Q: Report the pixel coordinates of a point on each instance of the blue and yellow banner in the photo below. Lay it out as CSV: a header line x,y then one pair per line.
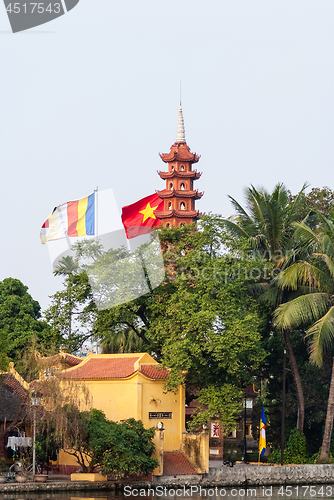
x,y
262,442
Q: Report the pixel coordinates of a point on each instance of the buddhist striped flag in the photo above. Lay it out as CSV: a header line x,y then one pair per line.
x,y
262,441
74,218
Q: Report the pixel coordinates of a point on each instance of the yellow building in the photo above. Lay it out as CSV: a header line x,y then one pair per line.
x,y
130,386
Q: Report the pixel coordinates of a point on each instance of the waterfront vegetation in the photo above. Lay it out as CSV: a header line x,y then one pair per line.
x,y
236,293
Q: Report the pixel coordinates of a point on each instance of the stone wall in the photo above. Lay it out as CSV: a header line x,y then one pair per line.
x,y
196,448
245,475
271,475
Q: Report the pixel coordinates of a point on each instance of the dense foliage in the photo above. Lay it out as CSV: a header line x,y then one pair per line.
x,y
210,321
20,322
200,322
116,448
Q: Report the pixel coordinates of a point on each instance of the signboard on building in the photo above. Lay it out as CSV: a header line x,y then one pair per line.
x,y
214,429
160,414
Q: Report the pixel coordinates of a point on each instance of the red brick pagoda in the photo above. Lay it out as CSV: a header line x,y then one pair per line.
x,y
179,196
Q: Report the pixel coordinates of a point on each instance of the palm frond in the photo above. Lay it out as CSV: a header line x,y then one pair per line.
x,y
303,310
328,244
329,263
305,234
298,200
239,209
272,296
257,290
300,273
258,241
321,335
254,199
234,229
326,223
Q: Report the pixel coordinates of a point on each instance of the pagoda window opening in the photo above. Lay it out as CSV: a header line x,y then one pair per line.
x,y
182,168
182,186
182,206
182,224
167,225
171,186
169,206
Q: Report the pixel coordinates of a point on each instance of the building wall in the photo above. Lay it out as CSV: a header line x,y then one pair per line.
x,y
116,398
136,397
196,448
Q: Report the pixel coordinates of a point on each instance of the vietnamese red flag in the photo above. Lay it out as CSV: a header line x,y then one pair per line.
x,y
139,218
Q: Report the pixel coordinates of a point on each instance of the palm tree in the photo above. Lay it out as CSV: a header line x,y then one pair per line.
x,y
124,340
67,266
268,226
314,279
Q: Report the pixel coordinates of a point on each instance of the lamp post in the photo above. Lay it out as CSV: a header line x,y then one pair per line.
x,y
245,457
35,401
160,428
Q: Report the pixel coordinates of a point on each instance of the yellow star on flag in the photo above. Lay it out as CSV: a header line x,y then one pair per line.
x,y
148,212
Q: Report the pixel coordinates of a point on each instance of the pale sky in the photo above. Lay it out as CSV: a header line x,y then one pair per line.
x,y
91,98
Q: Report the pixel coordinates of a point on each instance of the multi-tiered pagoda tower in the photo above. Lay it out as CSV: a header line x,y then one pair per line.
x,y
179,196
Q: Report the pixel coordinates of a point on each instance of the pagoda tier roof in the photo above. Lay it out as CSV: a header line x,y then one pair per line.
x,y
183,214
193,174
179,194
180,151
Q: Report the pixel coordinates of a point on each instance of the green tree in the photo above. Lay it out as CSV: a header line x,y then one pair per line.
x,y
200,322
118,448
315,382
268,224
318,199
125,340
71,313
4,360
130,449
19,321
314,307
268,228
68,267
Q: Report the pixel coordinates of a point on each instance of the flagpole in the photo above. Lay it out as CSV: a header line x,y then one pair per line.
x,y
259,461
96,191
259,444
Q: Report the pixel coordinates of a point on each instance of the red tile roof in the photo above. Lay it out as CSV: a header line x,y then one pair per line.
x,y
176,464
72,360
179,151
96,368
154,371
12,399
14,385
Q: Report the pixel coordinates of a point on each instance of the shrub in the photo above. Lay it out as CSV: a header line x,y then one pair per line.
x,y
294,452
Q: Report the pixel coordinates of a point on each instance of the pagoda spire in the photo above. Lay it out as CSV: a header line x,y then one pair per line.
x,y
181,135
179,195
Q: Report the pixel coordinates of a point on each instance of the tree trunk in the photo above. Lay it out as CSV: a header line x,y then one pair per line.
x,y
326,440
296,376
